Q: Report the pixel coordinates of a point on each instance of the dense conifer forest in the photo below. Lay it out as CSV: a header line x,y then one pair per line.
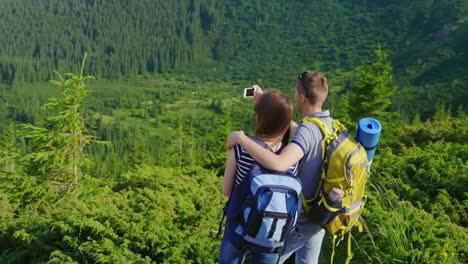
x,y
121,161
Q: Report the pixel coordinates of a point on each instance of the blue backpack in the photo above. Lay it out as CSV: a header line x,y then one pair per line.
x,y
263,209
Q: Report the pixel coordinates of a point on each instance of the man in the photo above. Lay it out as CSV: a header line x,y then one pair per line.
x,y
310,94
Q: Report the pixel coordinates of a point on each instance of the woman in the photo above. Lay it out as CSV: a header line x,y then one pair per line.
x,y
273,115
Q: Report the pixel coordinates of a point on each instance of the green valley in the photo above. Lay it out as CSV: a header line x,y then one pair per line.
x,y
128,168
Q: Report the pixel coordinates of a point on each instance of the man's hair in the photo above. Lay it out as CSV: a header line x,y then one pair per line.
x,y
314,85
274,112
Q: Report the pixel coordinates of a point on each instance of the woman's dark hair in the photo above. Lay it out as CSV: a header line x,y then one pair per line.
x,y
274,112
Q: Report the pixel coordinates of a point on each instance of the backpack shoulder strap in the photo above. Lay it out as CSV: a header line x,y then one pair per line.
x,y
257,168
328,137
328,134
326,131
337,126
261,143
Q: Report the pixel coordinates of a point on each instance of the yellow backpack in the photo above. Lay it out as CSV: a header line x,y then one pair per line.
x,y
339,199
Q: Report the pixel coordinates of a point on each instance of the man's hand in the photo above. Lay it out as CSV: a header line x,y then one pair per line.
x,y
235,138
258,93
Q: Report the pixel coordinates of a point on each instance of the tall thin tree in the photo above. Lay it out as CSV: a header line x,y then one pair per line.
x,y
58,148
372,90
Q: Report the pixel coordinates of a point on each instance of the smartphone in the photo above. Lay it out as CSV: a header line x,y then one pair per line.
x,y
249,92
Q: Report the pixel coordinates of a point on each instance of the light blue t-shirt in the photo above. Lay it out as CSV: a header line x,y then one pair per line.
x,y
309,138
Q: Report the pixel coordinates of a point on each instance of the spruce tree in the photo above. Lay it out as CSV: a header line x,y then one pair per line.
x,y
372,90
58,148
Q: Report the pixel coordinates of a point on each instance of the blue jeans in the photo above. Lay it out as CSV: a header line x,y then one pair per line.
x,y
306,241
229,254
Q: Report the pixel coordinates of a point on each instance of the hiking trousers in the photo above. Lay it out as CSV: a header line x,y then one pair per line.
x,y
306,241
230,254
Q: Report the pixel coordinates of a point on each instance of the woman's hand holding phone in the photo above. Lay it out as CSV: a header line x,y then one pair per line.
x,y
258,93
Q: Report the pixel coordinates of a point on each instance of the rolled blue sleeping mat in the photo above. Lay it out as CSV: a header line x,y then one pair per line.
x,y
367,133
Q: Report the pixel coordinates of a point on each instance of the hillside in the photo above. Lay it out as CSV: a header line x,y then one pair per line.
x,y
127,167
123,38
265,41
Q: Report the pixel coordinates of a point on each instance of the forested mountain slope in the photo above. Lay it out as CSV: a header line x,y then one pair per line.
x,y
123,38
268,41
169,78
153,193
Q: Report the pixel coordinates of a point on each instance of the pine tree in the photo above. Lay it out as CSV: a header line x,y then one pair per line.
x,y
372,90
58,147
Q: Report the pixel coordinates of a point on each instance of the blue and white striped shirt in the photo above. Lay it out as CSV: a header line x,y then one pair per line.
x,y
245,161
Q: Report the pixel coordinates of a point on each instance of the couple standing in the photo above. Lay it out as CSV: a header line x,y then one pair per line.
x,y
273,124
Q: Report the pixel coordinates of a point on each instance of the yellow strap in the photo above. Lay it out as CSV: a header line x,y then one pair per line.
x,y
344,229
319,188
359,224
335,128
323,150
350,255
326,131
333,250
329,208
305,204
337,179
328,137
338,127
341,239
